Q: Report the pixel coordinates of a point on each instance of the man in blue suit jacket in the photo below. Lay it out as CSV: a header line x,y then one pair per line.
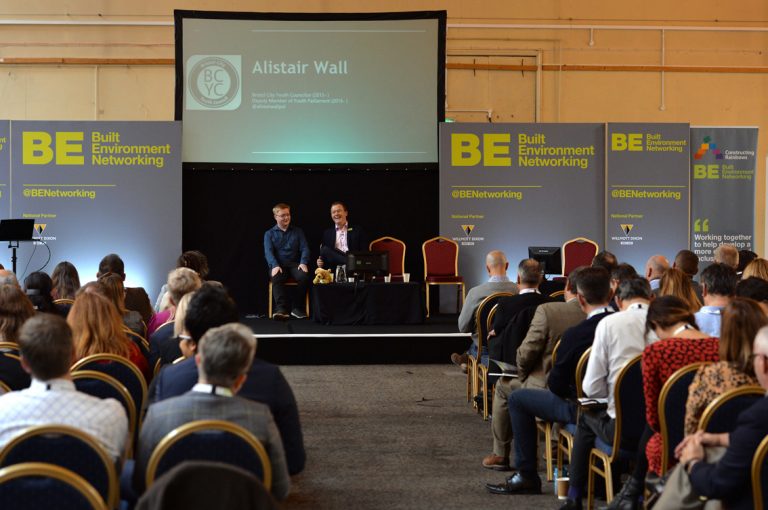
x,y
340,239
210,307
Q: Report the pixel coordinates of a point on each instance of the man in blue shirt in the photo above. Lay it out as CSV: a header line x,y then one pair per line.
x,y
287,254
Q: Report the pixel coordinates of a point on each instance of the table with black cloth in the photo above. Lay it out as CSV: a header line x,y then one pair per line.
x,y
368,303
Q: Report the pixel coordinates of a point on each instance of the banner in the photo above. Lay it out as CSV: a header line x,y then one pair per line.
x,y
510,186
647,207
723,163
95,188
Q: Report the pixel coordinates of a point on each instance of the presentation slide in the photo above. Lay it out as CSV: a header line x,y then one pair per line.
x,y
315,90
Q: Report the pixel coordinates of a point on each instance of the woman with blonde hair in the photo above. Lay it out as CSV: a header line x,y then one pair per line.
x,y
757,268
674,282
742,319
97,328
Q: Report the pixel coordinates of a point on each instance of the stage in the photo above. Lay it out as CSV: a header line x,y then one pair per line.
x,y
305,342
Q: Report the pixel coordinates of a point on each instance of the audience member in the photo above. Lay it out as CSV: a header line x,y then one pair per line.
x,y
136,298
680,344
620,273
618,338
112,288
496,265
688,262
287,254
224,356
192,259
676,283
512,319
718,286
340,239
606,260
180,281
8,278
38,287
754,288
745,257
758,268
717,466
15,309
593,294
727,254
742,319
654,269
47,352
549,323
210,306
65,282
97,328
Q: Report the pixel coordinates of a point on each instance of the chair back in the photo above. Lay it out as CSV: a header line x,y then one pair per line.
x,y
672,399
122,370
581,370
10,347
482,318
12,374
214,440
40,486
4,388
722,413
396,250
139,340
630,406
441,257
577,252
69,448
102,385
202,485
760,476
491,315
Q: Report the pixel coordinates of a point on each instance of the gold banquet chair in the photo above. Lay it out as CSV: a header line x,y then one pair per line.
x,y
212,440
42,484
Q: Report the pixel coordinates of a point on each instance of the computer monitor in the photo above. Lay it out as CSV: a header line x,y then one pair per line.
x,y
17,230
548,257
368,263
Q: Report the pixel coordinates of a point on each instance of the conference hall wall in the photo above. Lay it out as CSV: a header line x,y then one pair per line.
x,y
547,61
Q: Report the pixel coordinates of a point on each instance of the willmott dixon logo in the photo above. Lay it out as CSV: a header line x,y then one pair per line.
x,y
40,227
707,146
467,229
626,228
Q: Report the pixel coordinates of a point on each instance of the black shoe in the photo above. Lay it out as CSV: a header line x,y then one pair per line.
x,y
628,498
280,316
571,504
298,313
516,484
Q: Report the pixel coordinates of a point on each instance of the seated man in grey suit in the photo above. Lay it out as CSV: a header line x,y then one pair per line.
x,y
224,356
496,264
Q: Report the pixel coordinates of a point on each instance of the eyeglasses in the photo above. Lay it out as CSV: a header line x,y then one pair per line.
x,y
184,337
756,355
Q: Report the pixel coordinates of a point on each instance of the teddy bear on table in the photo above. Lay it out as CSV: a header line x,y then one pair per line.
x,y
322,276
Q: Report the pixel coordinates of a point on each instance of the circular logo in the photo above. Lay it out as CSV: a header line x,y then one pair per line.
x,y
213,82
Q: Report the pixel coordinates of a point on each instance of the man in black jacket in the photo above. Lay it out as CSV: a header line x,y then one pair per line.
x,y
340,239
594,294
510,325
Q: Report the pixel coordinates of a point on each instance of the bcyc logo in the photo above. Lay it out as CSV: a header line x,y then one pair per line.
x,y
213,82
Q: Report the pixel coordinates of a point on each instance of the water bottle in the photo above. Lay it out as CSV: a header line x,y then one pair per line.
x,y
341,274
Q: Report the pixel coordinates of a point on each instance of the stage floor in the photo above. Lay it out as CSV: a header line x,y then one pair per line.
x,y
305,342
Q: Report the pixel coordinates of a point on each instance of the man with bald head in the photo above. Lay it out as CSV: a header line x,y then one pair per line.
x,y
496,264
654,269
